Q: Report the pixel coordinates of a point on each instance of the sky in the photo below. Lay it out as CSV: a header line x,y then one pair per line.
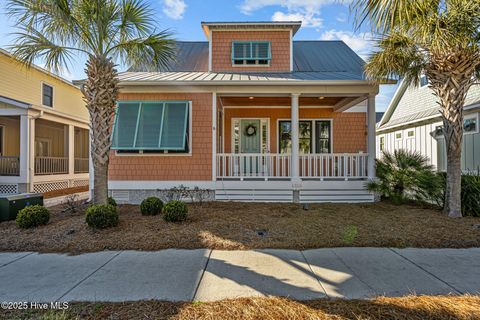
x,y
322,20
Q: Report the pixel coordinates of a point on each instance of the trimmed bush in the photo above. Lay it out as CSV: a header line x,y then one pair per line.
x,y
32,216
111,201
101,216
175,211
151,206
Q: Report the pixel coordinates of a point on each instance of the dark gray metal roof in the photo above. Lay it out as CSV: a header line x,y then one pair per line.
x,y
319,57
14,102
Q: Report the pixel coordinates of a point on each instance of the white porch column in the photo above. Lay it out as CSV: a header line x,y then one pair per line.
x,y
71,149
25,149
295,143
371,126
214,136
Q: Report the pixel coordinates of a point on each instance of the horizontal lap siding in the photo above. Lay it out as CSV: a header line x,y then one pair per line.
x,y
349,128
197,166
222,49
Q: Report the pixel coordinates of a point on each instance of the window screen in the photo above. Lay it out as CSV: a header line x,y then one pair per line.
x,y
151,126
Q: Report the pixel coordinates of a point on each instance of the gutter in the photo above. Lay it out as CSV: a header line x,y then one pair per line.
x,y
247,83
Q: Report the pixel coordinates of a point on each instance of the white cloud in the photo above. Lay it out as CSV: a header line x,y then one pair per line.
x,y
174,8
307,11
361,43
308,19
342,17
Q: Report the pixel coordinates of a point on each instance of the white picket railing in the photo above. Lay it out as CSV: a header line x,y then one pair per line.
x,y
334,165
51,165
9,166
81,165
273,165
266,165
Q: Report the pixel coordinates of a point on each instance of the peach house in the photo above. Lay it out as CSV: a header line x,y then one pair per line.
x,y
250,115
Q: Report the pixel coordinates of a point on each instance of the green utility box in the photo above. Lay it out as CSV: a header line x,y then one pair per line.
x,y
11,204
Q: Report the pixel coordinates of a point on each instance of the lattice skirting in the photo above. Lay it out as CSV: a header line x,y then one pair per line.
x,y
8,188
42,187
80,183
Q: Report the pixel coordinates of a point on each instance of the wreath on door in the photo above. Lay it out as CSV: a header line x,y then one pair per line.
x,y
250,130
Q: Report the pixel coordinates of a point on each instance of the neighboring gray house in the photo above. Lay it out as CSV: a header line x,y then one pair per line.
x,y
412,122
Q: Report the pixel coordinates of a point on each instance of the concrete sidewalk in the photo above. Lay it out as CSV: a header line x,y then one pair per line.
x,y
206,275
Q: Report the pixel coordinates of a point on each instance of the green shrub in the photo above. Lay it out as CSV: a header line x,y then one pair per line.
x,y
175,211
404,176
101,216
470,195
151,206
32,216
111,201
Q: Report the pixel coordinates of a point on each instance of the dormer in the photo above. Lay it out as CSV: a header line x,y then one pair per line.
x,y
250,46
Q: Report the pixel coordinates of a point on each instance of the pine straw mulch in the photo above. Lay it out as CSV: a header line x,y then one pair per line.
x,y
64,192
410,307
236,226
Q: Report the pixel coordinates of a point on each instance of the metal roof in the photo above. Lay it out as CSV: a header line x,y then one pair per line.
x,y
327,60
16,103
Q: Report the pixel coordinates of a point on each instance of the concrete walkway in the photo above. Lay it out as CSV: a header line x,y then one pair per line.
x,y
206,275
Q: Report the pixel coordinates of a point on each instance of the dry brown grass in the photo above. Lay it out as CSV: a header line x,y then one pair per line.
x,y
411,308
231,226
63,192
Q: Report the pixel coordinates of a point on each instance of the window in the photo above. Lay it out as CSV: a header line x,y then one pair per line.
x,y
47,95
423,81
398,135
410,134
251,53
313,135
382,143
1,140
151,127
470,124
43,147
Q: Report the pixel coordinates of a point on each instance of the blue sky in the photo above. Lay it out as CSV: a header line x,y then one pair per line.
x,y
322,20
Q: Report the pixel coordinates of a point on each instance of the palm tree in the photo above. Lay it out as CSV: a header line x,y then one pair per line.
x,y
104,32
438,38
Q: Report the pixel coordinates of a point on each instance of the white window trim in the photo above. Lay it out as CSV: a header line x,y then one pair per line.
x,y
471,116
314,136
410,137
41,94
166,154
380,138
395,135
232,127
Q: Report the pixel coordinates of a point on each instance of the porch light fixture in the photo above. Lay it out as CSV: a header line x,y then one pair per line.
x,y
251,98
320,98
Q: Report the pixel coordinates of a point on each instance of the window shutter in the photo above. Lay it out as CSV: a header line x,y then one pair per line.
x,y
126,119
241,50
174,126
149,125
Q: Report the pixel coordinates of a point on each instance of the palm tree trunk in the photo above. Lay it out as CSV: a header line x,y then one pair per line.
x,y
100,94
451,76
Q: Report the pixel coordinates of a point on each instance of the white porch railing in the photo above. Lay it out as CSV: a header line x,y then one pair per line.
x,y
9,166
81,165
273,165
267,165
334,165
51,165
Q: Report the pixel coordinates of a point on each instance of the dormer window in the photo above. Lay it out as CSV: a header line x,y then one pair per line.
x,y
423,81
248,53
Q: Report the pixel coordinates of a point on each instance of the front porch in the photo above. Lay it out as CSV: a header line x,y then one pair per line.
x,y
40,152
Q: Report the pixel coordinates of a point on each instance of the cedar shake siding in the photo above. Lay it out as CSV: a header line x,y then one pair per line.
x,y
222,50
348,128
196,166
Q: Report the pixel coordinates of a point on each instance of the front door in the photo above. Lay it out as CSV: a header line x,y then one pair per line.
x,y
250,139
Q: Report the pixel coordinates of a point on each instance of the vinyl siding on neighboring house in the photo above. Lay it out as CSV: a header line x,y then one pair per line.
x,y
25,84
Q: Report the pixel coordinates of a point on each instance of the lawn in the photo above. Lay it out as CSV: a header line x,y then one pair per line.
x,y
411,308
232,226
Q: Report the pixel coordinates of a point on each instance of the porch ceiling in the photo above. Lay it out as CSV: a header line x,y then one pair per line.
x,y
339,104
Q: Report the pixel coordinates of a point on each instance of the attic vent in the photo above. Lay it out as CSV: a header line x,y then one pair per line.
x,y
120,195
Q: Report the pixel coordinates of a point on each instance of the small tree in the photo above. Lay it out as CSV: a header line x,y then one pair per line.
x,y
103,32
438,38
403,176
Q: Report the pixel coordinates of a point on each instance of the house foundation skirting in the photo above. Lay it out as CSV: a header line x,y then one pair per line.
x,y
247,191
